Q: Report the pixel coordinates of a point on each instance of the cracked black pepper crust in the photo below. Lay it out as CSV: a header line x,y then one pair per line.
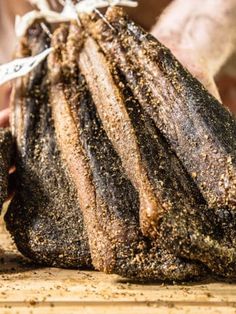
x,y
197,128
112,216
165,104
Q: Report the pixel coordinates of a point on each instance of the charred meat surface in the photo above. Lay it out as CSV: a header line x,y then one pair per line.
x,y
6,154
44,217
199,129
112,213
187,117
153,168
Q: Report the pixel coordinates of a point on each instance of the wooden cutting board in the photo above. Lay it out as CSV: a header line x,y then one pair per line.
x,y
25,288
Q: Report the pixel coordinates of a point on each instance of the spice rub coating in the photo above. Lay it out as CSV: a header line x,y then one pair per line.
x,y
112,213
198,128
181,109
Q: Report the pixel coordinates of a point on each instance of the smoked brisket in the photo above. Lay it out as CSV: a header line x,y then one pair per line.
x,y
121,154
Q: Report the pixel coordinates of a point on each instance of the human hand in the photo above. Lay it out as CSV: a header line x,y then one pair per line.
x,y
8,10
202,36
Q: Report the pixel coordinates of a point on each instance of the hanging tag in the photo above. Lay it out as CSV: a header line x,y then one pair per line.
x,y
70,12
21,67
87,6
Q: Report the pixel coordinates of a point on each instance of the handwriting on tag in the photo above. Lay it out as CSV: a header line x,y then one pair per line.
x,y
21,67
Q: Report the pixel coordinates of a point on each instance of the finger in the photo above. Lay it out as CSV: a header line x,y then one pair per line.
x,y
4,117
227,88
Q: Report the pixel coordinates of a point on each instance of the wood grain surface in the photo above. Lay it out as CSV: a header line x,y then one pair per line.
x,y
27,288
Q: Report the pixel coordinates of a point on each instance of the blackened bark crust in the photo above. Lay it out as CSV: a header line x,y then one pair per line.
x,y
44,217
196,126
